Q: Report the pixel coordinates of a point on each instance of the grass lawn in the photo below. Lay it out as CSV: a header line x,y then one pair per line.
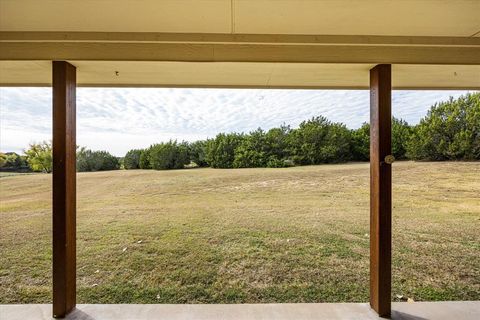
x,y
11,174
245,235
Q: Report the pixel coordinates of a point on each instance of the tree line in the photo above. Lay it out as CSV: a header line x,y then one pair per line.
x,y
38,158
449,131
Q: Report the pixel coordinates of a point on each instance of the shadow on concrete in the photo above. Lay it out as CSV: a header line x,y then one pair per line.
x,y
397,315
78,314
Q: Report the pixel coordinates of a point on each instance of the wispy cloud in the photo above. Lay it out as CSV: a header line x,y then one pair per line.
x,y
120,119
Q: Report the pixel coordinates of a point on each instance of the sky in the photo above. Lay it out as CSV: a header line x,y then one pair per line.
x,y
120,119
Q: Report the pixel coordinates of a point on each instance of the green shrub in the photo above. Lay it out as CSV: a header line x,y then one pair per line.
x,y
169,155
320,141
14,162
274,162
278,142
360,143
401,132
132,159
39,156
197,153
144,160
450,131
360,140
88,160
252,151
221,150
263,149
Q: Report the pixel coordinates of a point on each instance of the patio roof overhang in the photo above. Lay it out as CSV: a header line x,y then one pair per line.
x,y
232,43
236,43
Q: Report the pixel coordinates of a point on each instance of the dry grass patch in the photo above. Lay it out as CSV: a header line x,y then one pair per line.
x,y
245,235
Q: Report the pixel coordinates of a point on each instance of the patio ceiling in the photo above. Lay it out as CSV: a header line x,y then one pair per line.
x,y
242,43
240,75
449,18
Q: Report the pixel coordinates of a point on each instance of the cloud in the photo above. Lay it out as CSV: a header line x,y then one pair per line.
x,y
121,119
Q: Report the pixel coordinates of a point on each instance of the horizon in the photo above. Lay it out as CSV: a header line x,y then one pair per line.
x,y
121,119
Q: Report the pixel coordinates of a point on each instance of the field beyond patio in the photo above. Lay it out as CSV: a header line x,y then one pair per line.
x,y
245,235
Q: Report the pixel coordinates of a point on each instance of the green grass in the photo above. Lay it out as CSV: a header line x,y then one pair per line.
x,y
245,235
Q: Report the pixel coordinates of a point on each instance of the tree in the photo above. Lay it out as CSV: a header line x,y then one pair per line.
x,y
401,132
169,155
450,131
320,141
144,160
221,150
197,151
279,148
88,160
11,161
3,159
252,151
39,156
132,159
360,143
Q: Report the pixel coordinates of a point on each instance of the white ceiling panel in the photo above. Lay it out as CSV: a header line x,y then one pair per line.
x,y
206,16
358,17
331,17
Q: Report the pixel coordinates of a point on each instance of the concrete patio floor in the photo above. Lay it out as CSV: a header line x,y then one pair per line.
x,y
458,310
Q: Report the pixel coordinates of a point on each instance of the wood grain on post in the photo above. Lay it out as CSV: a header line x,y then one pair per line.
x,y
380,189
64,188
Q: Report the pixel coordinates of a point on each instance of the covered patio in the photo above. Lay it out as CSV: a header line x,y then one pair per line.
x,y
468,310
376,45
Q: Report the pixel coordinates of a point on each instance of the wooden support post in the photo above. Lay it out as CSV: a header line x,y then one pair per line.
x,y
380,189
64,188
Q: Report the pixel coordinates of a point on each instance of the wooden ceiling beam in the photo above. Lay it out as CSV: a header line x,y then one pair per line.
x,y
53,36
238,48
